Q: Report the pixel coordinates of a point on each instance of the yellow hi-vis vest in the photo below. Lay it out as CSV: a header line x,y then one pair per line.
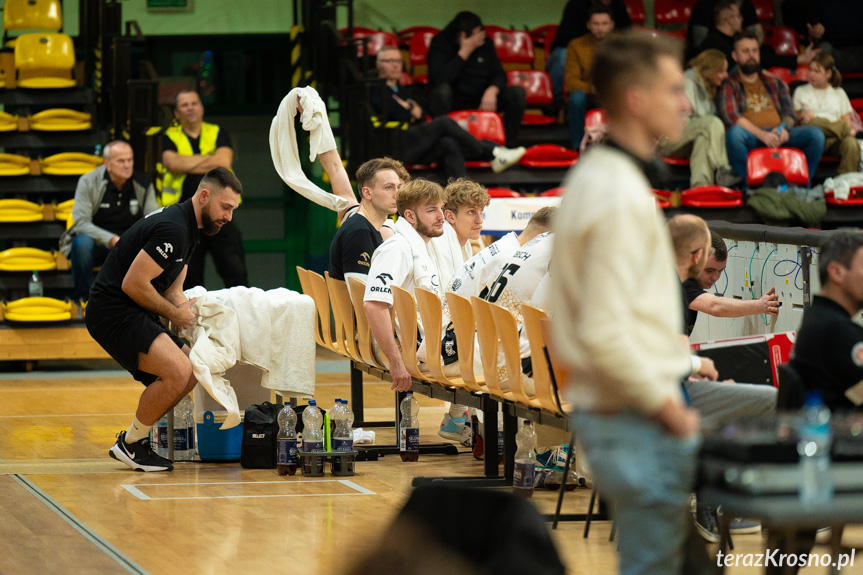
x,y
172,183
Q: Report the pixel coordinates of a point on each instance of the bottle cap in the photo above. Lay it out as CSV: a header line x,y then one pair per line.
x,y
814,398
312,402
287,403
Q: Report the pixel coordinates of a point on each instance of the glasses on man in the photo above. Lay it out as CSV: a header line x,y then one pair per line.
x,y
393,61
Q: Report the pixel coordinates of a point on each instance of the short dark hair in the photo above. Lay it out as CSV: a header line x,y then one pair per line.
x,y
368,171
218,179
628,59
840,248
721,7
745,35
717,247
181,92
600,9
465,21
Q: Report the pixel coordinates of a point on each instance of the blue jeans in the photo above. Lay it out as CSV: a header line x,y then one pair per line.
x,y
579,104
646,475
808,139
556,66
86,254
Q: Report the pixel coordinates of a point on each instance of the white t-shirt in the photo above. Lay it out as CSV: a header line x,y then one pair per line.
x,y
830,103
391,264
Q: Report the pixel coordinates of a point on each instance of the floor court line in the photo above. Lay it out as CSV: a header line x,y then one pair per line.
x,y
134,489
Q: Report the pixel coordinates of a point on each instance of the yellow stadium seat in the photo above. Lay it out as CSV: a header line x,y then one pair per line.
x,y
20,211
14,165
44,60
26,260
8,122
69,164
60,120
63,212
35,309
32,15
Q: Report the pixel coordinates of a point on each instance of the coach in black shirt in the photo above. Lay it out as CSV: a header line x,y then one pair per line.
x,y
828,354
141,281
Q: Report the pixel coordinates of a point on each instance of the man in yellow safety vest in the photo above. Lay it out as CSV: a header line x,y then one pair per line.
x,y
190,149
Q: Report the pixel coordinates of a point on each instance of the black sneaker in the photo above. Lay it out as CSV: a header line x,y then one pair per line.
x,y
139,455
705,522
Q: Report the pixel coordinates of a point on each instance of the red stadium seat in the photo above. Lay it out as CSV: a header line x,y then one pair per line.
x,y
857,104
711,197
502,193
481,124
782,39
548,156
595,117
676,161
855,198
662,198
543,35
635,8
672,11
553,193
764,10
491,29
376,39
419,47
420,167
406,79
651,31
359,31
406,35
784,74
536,84
788,161
514,47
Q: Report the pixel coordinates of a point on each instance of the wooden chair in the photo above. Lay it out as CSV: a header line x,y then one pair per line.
x,y
406,312
322,304
507,332
461,313
306,286
364,334
559,375
541,376
432,316
486,334
343,311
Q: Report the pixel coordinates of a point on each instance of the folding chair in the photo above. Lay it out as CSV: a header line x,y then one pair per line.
x,y
318,286
364,335
507,331
305,285
545,396
343,311
45,61
17,211
461,313
789,161
711,197
27,260
406,314
432,319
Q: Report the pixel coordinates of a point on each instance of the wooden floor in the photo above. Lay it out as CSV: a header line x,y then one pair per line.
x,y
66,507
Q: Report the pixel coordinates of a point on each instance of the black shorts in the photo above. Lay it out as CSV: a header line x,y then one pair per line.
x,y
124,332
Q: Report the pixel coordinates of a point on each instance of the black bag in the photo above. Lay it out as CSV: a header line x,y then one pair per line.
x,y
260,433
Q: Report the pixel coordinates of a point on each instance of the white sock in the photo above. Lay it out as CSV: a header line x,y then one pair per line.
x,y
137,431
456,411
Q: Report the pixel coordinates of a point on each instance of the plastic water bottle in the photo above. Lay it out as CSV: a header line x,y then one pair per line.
x,y
159,442
500,441
343,438
286,462
183,446
525,461
409,428
815,437
313,433
34,286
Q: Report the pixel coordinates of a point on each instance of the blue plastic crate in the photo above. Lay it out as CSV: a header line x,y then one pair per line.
x,y
216,444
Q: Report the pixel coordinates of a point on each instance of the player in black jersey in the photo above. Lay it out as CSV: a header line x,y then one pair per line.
x,y
141,282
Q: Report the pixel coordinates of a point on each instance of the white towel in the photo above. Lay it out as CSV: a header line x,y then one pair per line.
x,y
841,185
426,273
283,144
448,253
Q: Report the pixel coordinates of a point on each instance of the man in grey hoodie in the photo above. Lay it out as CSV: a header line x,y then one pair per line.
x,y
108,201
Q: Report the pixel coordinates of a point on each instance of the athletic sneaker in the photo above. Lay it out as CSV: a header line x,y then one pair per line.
x,y
705,523
553,458
505,158
139,455
455,429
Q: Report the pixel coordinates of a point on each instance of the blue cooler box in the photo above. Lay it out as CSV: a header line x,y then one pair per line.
x,y
215,444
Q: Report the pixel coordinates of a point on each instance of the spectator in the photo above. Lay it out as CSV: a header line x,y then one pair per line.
x,y
828,353
697,299
617,328
579,69
729,25
108,201
757,111
190,149
403,260
702,20
703,140
466,74
837,27
824,104
573,25
360,233
438,140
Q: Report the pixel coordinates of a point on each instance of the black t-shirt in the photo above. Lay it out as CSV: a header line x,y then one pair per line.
x,y
190,184
119,208
352,247
691,290
168,235
828,353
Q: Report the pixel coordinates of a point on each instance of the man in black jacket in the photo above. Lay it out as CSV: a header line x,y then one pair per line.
x,y
466,74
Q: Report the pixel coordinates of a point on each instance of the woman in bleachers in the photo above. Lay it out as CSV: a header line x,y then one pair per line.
x,y
824,104
703,140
